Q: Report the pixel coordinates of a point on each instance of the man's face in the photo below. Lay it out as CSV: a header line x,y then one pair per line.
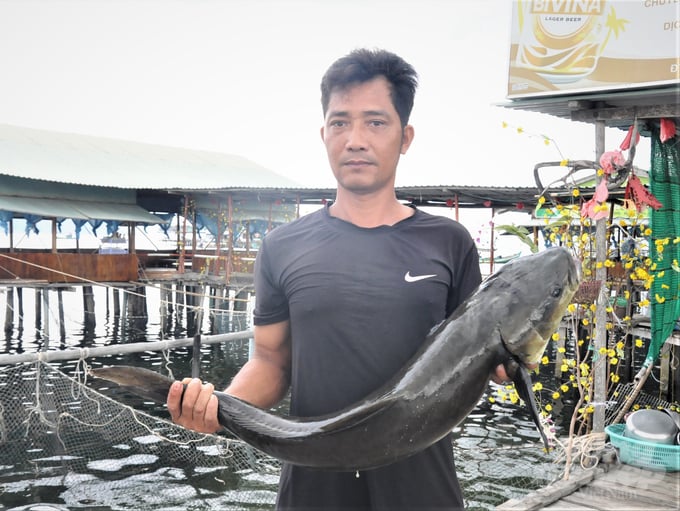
x,y
363,136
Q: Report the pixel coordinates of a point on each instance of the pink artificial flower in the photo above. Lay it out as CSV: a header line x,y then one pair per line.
x,y
596,208
611,158
625,145
667,129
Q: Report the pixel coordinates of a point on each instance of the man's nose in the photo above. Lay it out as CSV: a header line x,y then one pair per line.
x,y
356,138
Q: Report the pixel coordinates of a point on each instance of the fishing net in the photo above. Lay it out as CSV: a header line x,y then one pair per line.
x,y
664,182
64,442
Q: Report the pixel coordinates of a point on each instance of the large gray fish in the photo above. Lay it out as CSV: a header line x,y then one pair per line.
x,y
507,320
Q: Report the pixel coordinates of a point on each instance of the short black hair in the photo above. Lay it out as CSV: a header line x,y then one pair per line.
x,y
363,65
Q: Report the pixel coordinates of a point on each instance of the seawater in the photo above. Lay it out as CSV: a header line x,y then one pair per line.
x,y
498,451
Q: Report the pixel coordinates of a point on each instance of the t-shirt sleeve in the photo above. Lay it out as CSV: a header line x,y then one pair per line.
x,y
271,305
467,277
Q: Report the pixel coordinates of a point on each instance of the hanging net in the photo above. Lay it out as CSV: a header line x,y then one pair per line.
x,y
665,242
64,442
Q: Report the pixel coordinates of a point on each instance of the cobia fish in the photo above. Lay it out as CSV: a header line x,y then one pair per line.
x,y
507,320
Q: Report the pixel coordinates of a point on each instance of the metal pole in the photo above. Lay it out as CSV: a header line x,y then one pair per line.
x,y
600,364
118,349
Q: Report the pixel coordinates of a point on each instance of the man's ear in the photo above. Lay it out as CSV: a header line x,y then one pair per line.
x,y
407,135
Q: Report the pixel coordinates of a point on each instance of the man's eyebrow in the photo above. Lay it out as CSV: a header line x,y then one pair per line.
x,y
338,113
365,113
378,113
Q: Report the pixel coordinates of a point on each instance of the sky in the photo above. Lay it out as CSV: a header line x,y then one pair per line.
x,y
242,77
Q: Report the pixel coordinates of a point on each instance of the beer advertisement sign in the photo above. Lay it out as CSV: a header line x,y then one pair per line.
x,y
568,46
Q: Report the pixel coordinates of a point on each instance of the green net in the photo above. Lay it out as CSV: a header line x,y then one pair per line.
x,y
665,242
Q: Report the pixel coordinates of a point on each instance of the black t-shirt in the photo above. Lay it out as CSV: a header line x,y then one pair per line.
x,y
360,302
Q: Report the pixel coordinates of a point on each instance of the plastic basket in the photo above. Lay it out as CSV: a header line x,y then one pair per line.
x,y
644,454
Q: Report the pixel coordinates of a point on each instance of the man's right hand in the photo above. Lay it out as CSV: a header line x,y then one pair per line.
x,y
197,410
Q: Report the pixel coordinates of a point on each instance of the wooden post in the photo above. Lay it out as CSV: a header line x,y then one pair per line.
x,y
9,311
600,362
179,301
230,240
115,296
62,327
132,237
20,307
46,317
183,241
54,235
38,313
88,309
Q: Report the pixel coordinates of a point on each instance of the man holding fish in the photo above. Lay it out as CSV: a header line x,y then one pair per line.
x,y
345,296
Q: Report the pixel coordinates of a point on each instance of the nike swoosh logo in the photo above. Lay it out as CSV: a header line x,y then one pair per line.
x,y
415,278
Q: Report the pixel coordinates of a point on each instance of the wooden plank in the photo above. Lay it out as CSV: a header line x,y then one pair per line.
x,y
666,484
615,502
563,505
621,488
612,489
544,496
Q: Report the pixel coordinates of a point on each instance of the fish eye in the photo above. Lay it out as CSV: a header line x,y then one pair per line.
x,y
556,292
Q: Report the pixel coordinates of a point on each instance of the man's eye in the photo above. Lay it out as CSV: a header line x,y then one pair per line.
x,y
377,123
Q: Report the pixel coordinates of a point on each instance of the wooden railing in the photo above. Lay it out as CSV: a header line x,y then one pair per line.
x,y
65,267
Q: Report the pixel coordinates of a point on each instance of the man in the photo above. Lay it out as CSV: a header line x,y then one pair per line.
x,y
345,295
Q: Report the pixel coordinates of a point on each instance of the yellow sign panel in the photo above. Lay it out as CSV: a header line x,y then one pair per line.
x,y
567,46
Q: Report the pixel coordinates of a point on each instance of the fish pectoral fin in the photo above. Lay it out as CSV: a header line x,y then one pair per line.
x,y
524,388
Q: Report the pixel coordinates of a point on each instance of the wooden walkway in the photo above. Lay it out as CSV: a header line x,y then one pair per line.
x,y
621,488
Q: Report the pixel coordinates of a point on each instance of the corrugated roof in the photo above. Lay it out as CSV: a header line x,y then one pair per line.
x,y
23,196
58,208
88,160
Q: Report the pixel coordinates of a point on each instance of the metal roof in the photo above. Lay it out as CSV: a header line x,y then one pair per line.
x,y
88,160
63,200
519,198
616,108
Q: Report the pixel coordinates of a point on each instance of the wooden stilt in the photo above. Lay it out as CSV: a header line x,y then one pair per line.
x,y
116,302
9,311
20,307
62,326
38,313
88,306
46,316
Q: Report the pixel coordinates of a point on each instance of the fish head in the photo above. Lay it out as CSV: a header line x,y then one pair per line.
x,y
530,297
